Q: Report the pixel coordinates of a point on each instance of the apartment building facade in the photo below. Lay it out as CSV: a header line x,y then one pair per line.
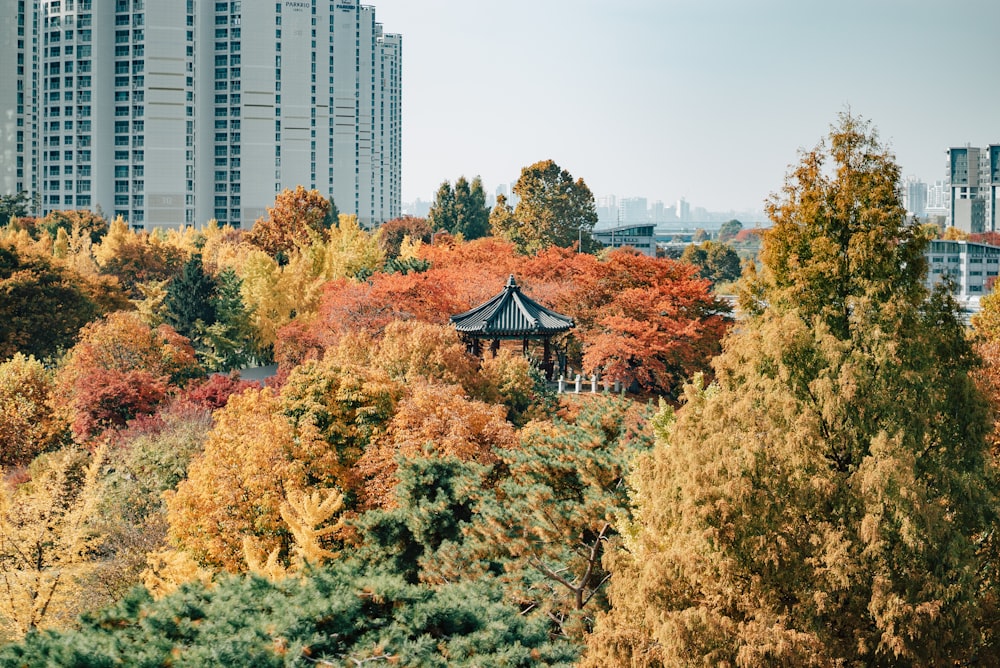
x,y
174,113
973,179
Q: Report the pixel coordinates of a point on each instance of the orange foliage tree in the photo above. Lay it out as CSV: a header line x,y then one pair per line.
x,y
296,216
639,319
434,420
120,369
236,486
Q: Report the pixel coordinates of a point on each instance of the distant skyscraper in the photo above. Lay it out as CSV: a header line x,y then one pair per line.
x,y
171,113
683,210
915,197
634,210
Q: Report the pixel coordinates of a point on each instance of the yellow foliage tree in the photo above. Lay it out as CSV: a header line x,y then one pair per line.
x,y
236,487
27,426
47,540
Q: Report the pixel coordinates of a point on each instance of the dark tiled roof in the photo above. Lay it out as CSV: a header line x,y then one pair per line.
x,y
511,314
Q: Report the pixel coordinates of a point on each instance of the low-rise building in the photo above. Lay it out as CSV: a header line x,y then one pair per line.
x,y
973,267
639,237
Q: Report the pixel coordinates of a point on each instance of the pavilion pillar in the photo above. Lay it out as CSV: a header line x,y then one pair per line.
x,y
495,347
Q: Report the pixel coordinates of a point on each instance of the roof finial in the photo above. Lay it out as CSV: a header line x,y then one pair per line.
x,y
511,283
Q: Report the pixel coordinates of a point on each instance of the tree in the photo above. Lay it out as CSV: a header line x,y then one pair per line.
x,y
717,262
442,212
296,216
47,539
462,210
42,305
552,210
235,487
555,510
190,300
825,502
392,233
27,426
332,215
434,420
342,615
75,222
118,370
729,230
13,206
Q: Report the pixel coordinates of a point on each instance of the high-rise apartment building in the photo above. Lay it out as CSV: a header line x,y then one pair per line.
x,y
172,113
973,177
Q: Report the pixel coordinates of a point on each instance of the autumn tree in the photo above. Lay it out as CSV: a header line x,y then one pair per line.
x,y
392,233
75,222
235,487
120,369
297,215
42,305
552,210
47,540
137,257
27,425
433,420
825,501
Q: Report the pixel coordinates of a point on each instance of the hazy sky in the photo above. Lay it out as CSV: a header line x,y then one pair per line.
x,y
709,100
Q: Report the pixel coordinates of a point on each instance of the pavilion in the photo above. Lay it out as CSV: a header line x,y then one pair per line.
x,y
511,315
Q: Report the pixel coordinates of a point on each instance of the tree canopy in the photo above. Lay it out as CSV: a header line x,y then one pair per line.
x,y
827,500
552,210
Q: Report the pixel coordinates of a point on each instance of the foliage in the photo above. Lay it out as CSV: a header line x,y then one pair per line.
x,y
552,210
955,234
555,510
142,463
75,223
42,306
340,615
235,487
351,252
120,369
462,210
27,426
826,501
338,409
296,218
392,233
14,206
47,540
190,299
645,320
433,420
729,230
136,258
716,261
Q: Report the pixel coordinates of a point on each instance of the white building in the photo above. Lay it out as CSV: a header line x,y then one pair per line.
x,y
973,267
168,113
640,237
973,177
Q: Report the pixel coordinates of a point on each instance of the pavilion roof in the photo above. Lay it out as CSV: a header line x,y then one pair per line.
x,y
511,314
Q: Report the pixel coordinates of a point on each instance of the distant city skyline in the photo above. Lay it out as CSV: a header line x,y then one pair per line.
x,y
709,100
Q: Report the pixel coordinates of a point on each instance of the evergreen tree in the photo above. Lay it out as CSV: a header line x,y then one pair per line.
x,y
442,213
191,299
827,501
